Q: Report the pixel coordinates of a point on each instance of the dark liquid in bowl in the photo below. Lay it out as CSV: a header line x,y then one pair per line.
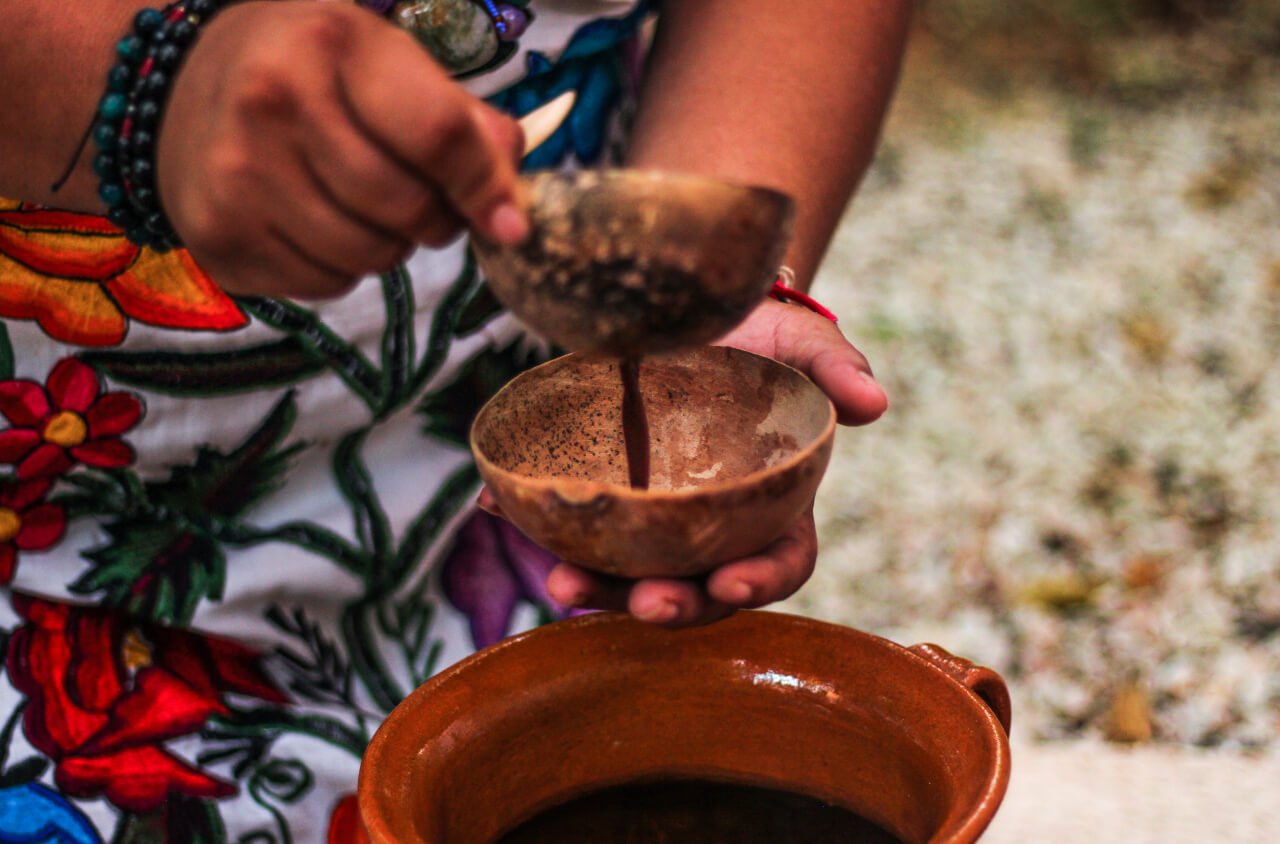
x,y
696,813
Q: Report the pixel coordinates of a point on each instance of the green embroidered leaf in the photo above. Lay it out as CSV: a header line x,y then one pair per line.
x,y
410,627
478,308
447,412
97,494
28,770
209,373
425,527
199,820
318,339
242,750
187,819
104,485
225,485
319,672
284,780
154,569
443,324
372,528
358,619
6,733
140,829
6,354
397,338
366,661
164,556
272,721
306,535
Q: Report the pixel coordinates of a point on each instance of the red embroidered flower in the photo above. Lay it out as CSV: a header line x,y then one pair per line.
x,y
64,421
105,695
79,278
27,522
345,826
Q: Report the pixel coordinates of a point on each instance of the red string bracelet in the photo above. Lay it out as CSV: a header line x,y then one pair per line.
x,y
784,293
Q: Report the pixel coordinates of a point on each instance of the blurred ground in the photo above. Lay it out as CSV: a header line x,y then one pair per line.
x,y
1065,267
1088,792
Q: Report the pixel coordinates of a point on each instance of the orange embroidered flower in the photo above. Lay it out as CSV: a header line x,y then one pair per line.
x,y
81,281
68,419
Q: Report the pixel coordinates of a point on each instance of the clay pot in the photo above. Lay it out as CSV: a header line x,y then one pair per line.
x,y
739,444
911,740
630,261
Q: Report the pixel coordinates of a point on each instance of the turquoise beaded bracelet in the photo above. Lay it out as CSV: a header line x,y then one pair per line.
x,y
129,113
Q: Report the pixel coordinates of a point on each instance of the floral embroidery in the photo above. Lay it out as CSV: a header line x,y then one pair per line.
x,y
68,419
344,824
27,522
81,281
492,568
105,695
32,812
133,730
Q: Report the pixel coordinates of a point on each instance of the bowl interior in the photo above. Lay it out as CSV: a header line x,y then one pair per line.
x,y
716,416
762,699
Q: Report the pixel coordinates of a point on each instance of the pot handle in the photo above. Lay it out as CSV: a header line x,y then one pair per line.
x,y
982,681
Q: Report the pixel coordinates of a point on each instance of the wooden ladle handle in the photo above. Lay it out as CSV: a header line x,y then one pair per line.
x,y
543,121
982,681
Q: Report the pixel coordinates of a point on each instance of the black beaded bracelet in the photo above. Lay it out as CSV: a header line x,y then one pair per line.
x,y
129,113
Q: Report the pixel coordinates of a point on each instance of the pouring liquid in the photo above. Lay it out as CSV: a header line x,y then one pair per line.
x,y
635,424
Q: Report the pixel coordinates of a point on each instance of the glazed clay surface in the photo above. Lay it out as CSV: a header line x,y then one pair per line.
x,y
763,700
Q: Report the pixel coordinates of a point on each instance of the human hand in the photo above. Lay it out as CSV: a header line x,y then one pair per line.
x,y
307,144
815,346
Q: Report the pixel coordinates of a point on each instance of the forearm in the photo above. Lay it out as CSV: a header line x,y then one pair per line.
x,y
792,98
54,58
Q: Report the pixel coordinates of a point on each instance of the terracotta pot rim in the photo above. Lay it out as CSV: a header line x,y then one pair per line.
x,y
975,821
591,489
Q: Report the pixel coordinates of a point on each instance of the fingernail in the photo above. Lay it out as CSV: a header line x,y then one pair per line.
x,y
871,381
854,372
659,612
739,592
857,375
577,599
508,224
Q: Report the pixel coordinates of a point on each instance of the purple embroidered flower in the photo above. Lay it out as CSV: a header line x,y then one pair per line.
x,y
491,569
379,6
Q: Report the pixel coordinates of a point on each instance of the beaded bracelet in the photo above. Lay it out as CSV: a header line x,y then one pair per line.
x,y
129,113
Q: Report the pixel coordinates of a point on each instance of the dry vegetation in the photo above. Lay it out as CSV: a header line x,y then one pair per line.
x,y
1065,265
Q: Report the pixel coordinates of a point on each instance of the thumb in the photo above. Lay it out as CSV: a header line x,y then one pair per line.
x,y
815,346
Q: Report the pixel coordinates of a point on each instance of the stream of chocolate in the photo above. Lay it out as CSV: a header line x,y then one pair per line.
x,y
635,424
